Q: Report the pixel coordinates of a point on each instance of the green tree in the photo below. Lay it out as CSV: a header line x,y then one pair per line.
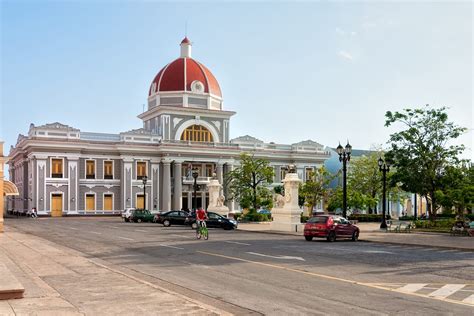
x,y
421,150
246,182
457,188
355,200
316,187
365,177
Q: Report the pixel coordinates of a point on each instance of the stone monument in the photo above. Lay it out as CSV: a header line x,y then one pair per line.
x,y
216,200
287,214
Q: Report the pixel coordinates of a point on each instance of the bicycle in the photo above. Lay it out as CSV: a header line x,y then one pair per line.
x,y
202,231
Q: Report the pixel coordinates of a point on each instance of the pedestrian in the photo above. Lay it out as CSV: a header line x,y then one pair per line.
x,y
33,212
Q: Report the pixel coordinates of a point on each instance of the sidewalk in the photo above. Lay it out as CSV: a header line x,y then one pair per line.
x,y
61,281
370,232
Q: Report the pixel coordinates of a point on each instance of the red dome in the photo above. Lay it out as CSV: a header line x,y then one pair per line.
x,y
181,73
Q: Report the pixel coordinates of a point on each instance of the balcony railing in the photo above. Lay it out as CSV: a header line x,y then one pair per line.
x,y
199,180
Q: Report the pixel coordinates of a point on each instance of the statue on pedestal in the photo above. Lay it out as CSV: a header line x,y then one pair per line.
x,y
216,200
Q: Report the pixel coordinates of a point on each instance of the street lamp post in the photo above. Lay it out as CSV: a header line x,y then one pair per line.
x,y
144,180
384,167
195,187
344,156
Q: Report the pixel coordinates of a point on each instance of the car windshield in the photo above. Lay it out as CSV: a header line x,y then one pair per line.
x,y
318,219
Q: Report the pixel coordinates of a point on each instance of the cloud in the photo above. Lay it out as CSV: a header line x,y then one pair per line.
x,y
343,32
345,55
368,25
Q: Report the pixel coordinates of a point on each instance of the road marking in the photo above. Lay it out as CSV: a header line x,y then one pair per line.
x,y
96,233
469,299
168,246
115,227
446,290
276,257
141,230
73,228
371,285
125,238
411,288
236,242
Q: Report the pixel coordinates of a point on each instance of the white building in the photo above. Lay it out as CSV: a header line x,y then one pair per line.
x,y
62,170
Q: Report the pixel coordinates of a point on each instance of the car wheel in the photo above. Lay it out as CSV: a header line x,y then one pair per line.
x,y
166,223
355,236
139,220
194,226
331,237
308,238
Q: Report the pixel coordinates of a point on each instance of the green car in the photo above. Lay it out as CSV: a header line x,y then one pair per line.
x,y
139,216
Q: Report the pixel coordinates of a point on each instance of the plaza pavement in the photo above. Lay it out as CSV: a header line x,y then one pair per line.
x,y
62,281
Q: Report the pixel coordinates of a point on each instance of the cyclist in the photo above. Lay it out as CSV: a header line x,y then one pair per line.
x,y
201,217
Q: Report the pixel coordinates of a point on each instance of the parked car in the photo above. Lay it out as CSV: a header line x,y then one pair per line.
x,y
330,227
214,220
126,214
171,218
139,215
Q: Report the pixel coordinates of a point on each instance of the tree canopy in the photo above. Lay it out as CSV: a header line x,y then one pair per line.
x,y
316,187
246,182
422,150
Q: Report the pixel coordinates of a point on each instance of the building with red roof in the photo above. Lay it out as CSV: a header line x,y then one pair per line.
x,y
62,170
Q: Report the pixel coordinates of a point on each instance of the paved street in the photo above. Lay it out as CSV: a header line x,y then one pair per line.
x,y
245,272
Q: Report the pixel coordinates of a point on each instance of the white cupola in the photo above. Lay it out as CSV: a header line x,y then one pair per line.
x,y
185,48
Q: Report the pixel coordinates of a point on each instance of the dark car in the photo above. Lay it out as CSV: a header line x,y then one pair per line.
x,y
214,220
140,215
171,218
330,227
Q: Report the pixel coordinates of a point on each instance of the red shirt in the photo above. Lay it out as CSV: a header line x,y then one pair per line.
x,y
201,215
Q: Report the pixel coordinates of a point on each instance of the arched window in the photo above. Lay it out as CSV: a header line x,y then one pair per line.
x,y
197,133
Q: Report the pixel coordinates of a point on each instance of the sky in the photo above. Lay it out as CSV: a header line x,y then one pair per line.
x,y
326,71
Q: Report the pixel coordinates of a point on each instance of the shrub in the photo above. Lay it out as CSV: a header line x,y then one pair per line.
x,y
304,218
367,217
253,216
441,223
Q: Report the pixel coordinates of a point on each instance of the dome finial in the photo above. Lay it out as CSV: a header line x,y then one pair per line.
x,y
185,48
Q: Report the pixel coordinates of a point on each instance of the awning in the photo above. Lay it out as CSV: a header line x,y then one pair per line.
x,y
9,188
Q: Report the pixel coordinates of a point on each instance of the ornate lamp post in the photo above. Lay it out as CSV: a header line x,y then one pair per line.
x,y
384,167
195,187
344,157
144,180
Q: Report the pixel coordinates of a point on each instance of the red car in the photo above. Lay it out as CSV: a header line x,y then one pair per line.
x,y
330,227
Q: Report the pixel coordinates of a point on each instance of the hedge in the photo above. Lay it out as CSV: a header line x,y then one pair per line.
x,y
367,217
438,216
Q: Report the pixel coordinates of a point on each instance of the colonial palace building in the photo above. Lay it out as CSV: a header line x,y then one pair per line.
x,y
62,170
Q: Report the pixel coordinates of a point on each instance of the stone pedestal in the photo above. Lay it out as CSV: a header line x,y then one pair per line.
x,y
287,214
216,201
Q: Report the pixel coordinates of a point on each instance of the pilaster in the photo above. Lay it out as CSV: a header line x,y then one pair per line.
x,y
178,186
166,188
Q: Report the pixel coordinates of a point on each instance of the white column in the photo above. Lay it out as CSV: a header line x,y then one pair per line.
x,y
203,198
166,185
230,204
178,187
220,172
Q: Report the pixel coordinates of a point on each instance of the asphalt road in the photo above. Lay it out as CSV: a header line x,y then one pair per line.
x,y
257,273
